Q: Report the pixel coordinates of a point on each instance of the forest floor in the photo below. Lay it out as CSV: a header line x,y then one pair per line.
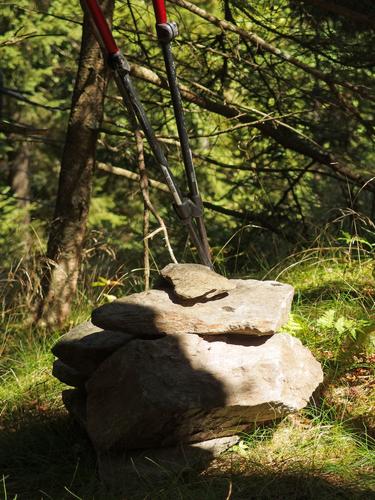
x,y
325,451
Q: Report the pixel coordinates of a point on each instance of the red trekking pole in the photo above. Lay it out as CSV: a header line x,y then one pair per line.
x,y
190,207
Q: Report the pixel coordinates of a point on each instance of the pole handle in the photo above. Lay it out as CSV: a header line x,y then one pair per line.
x,y
102,27
160,11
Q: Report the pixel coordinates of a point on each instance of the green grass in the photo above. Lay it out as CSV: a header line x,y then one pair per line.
x,y
333,306
325,451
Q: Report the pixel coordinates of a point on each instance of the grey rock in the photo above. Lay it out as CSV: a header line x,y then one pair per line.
x,y
86,346
68,375
195,281
75,402
251,308
187,389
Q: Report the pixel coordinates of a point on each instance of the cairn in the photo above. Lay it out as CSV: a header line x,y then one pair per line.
x,y
194,362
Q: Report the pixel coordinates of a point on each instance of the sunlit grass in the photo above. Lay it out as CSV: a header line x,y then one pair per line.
x,y
311,440
333,302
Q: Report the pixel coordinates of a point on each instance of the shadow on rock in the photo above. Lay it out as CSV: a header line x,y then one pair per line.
x,y
169,403
149,394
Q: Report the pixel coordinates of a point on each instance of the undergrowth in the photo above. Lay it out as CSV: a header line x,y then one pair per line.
x,y
324,451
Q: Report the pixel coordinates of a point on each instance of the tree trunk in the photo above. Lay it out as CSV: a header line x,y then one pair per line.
x,y
18,162
67,232
19,182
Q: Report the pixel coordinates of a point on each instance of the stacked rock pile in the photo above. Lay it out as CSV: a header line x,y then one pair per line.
x,y
199,358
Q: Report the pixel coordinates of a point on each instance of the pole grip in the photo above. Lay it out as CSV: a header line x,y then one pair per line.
x,y
160,11
102,27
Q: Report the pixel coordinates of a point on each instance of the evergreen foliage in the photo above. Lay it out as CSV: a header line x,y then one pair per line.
x,y
266,188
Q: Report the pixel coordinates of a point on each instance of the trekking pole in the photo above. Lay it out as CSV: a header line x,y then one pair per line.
x,y
184,207
166,32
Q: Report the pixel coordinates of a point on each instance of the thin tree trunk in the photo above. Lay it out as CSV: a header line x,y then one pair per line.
x,y
143,182
67,232
18,165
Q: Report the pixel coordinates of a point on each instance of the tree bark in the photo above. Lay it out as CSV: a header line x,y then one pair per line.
x,y
143,183
19,182
68,228
19,177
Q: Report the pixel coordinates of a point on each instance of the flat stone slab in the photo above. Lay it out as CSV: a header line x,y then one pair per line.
x,y
251,308
195,281
185,388
84,347
68,375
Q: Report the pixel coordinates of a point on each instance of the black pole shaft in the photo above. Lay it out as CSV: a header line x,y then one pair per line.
x,y
204,256
131,100
136,111
180,119
184,141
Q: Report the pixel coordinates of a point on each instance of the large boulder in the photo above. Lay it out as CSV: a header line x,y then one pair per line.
x,y
186,388
252,308
75,402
